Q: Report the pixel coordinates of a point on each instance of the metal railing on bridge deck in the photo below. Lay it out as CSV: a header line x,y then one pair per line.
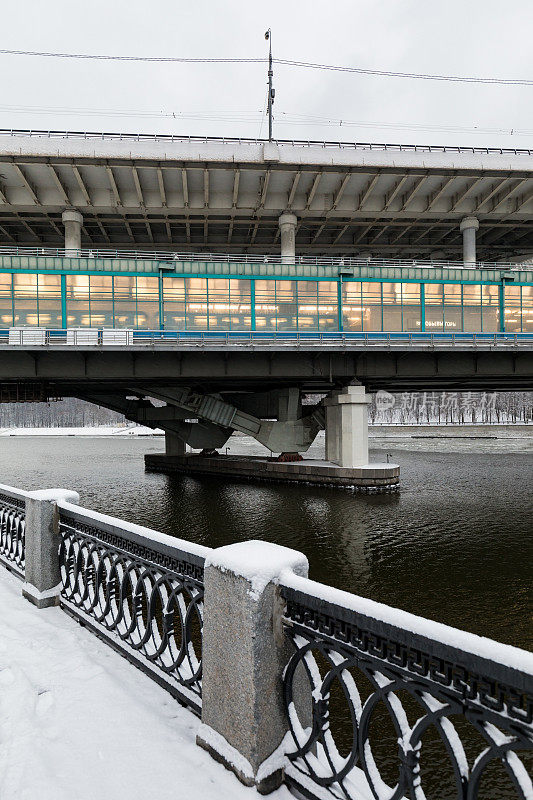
x,y
161,137
30,338
168,259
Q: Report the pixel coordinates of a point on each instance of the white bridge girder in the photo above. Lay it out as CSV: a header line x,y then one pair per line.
x,y
225,195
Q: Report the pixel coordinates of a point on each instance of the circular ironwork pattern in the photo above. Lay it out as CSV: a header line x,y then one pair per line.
x,y
315,753
155,612
12,531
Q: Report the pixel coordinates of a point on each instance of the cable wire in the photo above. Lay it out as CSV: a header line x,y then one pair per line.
x,y
254,117
283,62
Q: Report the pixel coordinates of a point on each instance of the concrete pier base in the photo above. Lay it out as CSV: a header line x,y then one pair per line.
x,y
367,478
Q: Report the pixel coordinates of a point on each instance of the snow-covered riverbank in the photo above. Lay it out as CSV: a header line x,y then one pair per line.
x,y
78,721
518,430
100,430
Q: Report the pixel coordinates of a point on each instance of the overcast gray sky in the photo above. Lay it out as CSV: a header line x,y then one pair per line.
x,y
458,37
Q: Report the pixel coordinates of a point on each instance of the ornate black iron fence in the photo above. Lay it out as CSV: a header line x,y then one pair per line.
x,y
12,528
377,710
145,597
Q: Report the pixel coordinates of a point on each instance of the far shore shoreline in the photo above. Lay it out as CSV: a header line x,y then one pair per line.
x,y
376,430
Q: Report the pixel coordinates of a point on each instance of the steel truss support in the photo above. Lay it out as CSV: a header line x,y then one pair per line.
x,y
290,431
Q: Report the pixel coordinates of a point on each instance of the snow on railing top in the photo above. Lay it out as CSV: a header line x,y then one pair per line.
x,y
479,646
12,491
133,532
157,137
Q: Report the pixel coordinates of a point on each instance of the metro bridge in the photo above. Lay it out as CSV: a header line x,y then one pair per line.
x,y
294,291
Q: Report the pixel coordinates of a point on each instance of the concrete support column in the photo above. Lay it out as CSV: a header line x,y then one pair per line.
x,y
244,655
174,446
72,220
347,427
287,227
333,428
42,576
469,226
289,404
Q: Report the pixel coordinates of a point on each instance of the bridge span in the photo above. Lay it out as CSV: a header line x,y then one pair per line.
x,y
204,344
200,387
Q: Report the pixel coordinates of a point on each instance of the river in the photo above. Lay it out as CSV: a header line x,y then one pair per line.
x,y
454,545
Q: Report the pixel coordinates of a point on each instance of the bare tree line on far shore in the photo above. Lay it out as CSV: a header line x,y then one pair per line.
x,y
406,408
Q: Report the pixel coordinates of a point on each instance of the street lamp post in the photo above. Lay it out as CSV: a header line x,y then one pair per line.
x,y
271,90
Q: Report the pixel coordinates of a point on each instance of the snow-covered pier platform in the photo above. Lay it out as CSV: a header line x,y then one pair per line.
x,y
368,478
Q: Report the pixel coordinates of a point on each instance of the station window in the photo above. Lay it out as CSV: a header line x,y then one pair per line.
x,y
101,301
411,308
513,309
317,306
352,306
6,300
147,311
472,307
453,307
490,308
36,300
372,307
197,304
266,309
174,307
519,309
434,307
527,309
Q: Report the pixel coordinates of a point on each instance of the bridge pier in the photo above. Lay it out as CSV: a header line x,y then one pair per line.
x,y
346,463
72,220
469,226
287,227
174,446
347,427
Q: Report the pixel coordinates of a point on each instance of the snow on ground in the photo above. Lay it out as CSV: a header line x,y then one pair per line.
x,y
78,722
100,430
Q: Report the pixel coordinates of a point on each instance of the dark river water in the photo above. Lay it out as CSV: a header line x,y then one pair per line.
x,y
455,544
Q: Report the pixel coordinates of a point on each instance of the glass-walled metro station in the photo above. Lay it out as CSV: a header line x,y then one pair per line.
x,y
60,300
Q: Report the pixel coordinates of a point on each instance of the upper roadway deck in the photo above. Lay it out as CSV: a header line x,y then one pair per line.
x,y
166,192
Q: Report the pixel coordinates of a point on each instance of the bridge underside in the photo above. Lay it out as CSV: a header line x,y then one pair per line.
x,y
201,398
67,372
227,196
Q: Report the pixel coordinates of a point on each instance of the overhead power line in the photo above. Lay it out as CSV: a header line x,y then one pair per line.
x,y
255,117
415,75
282,61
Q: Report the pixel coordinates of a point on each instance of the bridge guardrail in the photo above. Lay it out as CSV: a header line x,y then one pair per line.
x,y
115,337
168,259
161,137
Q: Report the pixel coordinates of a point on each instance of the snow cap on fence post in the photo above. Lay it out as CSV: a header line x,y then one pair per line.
x,y
244,653
42,583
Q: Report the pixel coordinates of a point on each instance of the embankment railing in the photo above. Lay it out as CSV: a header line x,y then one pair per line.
x,y
387,689
140,590
12,528
336,695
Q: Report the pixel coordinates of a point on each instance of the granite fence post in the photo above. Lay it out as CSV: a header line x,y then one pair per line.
x,y
42,576
244,654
